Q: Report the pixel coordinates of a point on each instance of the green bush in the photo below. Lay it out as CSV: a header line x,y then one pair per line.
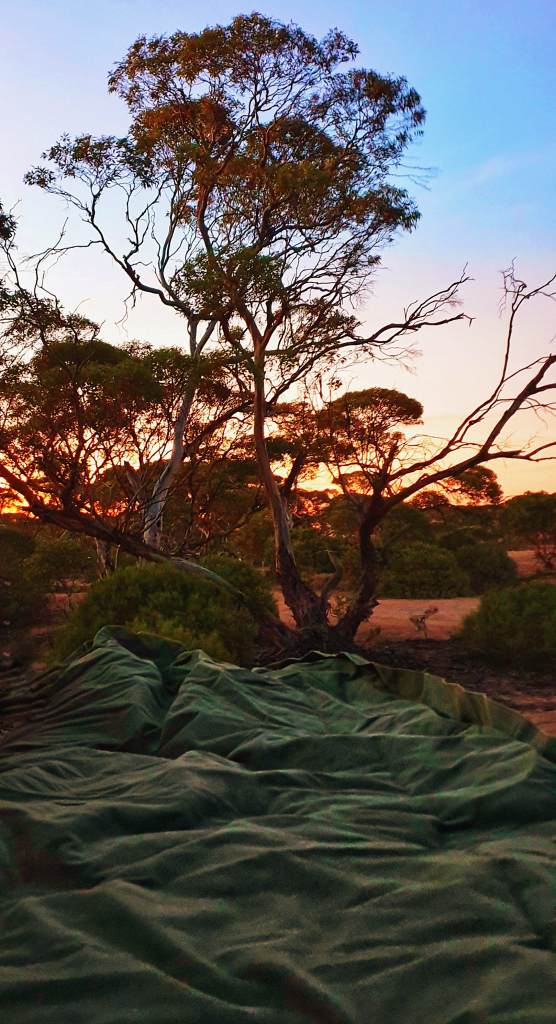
x,y
30,569
347,556
487,565
515,626
159,598
463,537
531,518
20,598
14,547
21,601
311,549
423,570
404,525
253,543
57,560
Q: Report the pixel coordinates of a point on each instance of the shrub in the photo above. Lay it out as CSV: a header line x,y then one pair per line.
x,y
532,517
487,565
311,549
21,601
14,547
54,561
340,517
515,626
30,569
347,556
423,570
253,543
463,537
159,598
19,598
404,525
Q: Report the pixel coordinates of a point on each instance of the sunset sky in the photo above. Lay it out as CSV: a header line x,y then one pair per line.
x,y
487,76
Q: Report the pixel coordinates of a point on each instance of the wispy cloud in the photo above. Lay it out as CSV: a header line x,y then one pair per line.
x,y
504,165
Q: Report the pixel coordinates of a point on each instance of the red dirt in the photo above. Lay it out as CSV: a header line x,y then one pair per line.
x,y
392,616
399,643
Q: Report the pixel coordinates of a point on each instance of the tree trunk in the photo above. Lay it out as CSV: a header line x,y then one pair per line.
x,y
273,631
154,508
305,605
365,599
107,557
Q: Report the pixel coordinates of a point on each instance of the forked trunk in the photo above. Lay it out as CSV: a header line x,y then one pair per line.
x,y
305,605
107,557
365,599
154,508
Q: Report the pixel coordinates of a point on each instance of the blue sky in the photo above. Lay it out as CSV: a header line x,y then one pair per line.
x,y
487,76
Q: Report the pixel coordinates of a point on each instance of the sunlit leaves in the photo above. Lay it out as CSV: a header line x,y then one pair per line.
x,y
266,168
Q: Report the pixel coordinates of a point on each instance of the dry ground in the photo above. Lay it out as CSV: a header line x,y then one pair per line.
x,y
393,615
399,643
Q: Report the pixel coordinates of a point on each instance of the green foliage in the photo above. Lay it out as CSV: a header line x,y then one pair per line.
x,y
31,569
7,225
404,524
58,560
463,537
22,601
487,564
162,599
532,517
253,542
431,501
383,408
531,511
259,158
341,517
423,570
15,545
73,400
20,598
476,485
515,626
361,432
311,549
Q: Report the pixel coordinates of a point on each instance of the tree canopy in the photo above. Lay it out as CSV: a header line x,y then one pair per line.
x,y
259,182
265,164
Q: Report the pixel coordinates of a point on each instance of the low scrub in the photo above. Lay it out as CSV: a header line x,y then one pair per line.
x,y
515,626
462,537
55,562
20,597
487,565
31,567
424,571
162,599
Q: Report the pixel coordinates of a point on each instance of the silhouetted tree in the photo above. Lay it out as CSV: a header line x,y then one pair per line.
x,y
379,463
533,516
262,169
257,189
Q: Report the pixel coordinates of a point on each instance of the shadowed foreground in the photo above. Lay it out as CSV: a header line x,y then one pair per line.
x,y
332,842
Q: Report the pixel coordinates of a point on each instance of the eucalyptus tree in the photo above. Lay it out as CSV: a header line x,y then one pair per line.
x,y
533,516
257,197
260,184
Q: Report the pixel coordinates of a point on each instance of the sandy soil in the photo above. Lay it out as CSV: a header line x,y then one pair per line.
x,y
400,643
393,617
526,562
